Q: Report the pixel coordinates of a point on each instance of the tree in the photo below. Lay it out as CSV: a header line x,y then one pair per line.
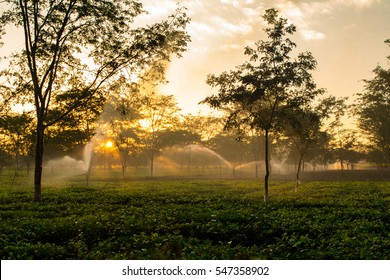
x,y
320,152
18,137
158,113
304,126
206,126
303,129
176,137
233,151
255,93
372,109
349,148
122,115
75,130
72,48
338,131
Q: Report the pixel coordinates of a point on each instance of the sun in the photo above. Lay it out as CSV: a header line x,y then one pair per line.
x,y
108,144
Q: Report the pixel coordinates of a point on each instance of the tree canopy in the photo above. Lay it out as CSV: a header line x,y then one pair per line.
x,y
257,92
373,110
73,48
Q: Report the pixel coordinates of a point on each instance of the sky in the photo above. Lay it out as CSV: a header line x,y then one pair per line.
x,y
345,36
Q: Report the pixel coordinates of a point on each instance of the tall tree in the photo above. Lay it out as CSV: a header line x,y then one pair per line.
x,y
74,47
372,109
121,115
255,93
158,113
338,130
304,127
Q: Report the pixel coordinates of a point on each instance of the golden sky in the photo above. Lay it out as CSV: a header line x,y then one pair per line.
x,y
345,36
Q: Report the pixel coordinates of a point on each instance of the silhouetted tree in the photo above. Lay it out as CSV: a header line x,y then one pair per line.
x,y
173,137
158,113
121,116
18,140
303,129
338,130
226,144
320,152
206,126
255,93
304,126
372,109
74,47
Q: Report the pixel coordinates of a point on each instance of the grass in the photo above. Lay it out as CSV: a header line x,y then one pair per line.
x,y
195,219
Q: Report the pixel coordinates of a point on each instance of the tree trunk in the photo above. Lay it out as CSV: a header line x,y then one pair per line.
x,y
267,169
297,182
189,164
123,158
17,167
123,171
38,160
151,164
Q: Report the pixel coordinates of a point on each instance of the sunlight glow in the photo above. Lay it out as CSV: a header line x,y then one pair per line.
x,y
108,144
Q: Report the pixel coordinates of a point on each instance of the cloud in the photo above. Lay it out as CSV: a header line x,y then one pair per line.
x,y
221,25
310,35
234,3
156,9
357,3
220,29
230,47
305,14
313,9
200,28
223,17
224,27
301,17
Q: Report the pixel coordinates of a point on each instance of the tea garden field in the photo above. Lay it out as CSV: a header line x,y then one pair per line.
x,y
195,219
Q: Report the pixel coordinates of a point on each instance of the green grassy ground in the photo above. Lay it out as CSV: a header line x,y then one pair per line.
x,y
194,219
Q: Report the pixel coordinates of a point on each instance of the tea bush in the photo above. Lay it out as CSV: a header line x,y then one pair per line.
x,y
181,219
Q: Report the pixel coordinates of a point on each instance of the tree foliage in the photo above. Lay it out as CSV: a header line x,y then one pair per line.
x,y
120,118
18,140
160,113
303,129
373,110
256,93
73,48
